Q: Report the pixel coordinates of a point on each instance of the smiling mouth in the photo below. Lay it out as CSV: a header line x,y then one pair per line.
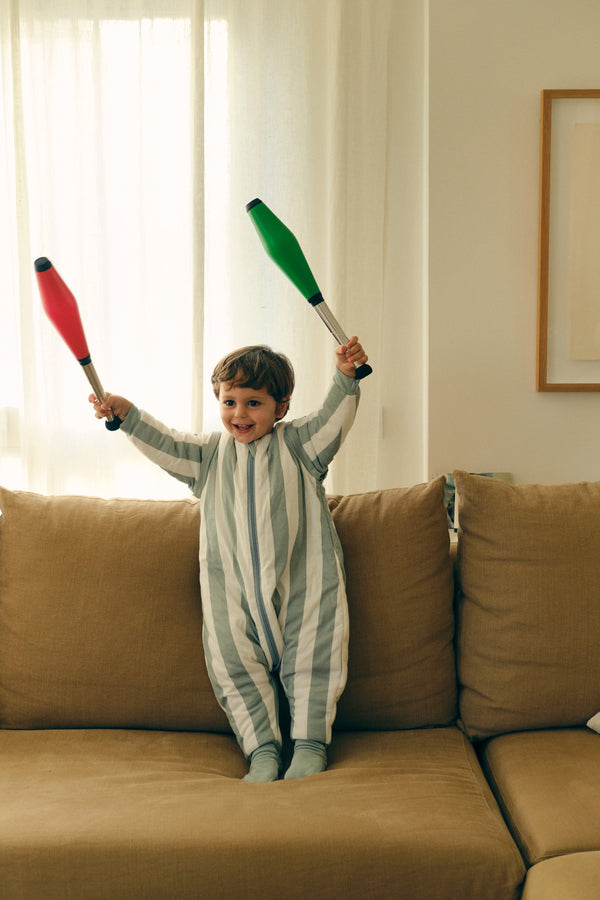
x,y
243,429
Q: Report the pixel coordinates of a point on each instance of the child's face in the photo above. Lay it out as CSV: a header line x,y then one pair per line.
x,y
247,413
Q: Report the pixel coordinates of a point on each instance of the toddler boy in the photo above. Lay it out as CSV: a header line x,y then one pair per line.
x,y
271,569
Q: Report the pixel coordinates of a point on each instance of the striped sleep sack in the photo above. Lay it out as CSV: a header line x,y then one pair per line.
x,y
271,568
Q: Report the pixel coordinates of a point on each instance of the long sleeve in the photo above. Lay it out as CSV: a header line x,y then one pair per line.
x,y
319,436
180,454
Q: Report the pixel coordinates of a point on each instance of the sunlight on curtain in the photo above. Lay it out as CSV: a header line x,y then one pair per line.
x,y
97,176
104,169
305,118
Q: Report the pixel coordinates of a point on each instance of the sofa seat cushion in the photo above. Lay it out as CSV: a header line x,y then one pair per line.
x,y
529,610
576,875
122,814
548,785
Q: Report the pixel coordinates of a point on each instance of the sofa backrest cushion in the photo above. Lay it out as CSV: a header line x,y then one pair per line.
x,y
528,623
401,669
101,624
100,618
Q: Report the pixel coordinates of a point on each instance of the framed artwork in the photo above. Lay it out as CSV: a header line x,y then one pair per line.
x,y
568,329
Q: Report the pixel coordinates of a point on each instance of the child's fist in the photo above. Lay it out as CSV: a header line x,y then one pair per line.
x,y
111,405
350,354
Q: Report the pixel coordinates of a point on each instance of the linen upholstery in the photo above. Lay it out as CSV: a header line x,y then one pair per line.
x,y
401,814
100,619
119,777
529,610
401,669
548,785
101,623
576,875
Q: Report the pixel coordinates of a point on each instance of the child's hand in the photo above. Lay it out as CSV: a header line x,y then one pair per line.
x,y
348,354
112,404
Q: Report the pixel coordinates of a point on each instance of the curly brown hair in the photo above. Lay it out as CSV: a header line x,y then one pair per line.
x,y
255,367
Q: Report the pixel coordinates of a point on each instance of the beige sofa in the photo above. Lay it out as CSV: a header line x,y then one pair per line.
x,y
120,779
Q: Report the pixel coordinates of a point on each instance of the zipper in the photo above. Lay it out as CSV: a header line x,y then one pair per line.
x,y
255,554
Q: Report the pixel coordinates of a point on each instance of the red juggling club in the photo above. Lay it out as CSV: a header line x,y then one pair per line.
x,y
61,308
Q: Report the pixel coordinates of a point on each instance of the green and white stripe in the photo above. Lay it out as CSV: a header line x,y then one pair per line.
x,y
271,569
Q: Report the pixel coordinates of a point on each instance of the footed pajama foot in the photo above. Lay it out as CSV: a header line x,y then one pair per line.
x,y
310,758
265,764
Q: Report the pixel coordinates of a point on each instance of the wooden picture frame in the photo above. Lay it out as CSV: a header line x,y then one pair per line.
x,y
568,323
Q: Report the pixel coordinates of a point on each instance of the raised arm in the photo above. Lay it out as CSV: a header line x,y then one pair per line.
x,y
179,453
320,435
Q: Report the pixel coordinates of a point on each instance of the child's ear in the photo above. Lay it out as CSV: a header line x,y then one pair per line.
x,y
282,408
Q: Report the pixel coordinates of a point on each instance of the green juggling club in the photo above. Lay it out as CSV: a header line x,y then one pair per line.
x,y
285,251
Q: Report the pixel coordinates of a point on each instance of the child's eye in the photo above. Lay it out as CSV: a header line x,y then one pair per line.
x,y
228,403
253,402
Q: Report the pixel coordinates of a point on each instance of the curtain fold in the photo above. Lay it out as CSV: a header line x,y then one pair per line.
x,y
307,122
133,135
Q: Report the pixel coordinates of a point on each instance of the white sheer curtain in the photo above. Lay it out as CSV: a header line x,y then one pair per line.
x,y
132,135
98,177
305,119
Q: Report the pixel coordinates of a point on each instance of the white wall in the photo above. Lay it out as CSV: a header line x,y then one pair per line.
x,y
488,62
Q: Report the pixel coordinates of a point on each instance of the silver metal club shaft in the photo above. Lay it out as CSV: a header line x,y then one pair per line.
x,y
92,377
